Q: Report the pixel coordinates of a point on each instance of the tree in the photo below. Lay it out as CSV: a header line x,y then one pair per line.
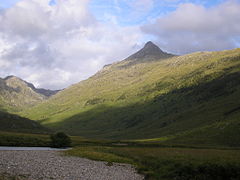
x,y
60,139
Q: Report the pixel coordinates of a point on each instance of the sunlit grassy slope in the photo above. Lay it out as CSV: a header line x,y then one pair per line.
x,y
195,97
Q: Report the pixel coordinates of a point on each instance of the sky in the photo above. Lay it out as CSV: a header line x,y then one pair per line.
x,y
56,43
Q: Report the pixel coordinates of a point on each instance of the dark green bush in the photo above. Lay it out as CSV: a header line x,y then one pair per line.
x,y
60,139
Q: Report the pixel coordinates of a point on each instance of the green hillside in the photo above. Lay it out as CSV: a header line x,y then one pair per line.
x,y
194,97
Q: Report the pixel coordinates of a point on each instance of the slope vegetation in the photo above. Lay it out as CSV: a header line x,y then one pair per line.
x,y
144,96
15,123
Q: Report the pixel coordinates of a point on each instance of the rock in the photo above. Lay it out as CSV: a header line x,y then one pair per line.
x,y
50,165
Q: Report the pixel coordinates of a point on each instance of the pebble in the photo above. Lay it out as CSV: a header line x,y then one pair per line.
x,y
52,165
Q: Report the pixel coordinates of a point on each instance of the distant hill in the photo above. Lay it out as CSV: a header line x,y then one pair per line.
x,y
153,94
17,94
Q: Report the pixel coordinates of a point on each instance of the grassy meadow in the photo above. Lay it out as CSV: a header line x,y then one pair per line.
x,y
24,139
42,140
165,163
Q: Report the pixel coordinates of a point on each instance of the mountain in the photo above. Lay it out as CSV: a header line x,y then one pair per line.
x,y
17,94
194,96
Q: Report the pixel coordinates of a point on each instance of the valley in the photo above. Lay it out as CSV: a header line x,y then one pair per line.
x,y
152,98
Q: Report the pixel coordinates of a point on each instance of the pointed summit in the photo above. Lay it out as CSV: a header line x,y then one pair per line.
x,y
150,51
150,45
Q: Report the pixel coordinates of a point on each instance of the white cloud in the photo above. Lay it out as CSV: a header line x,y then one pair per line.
x,y
196,28
55,46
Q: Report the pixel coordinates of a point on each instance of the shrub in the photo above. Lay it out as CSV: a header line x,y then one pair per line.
x,y
60,139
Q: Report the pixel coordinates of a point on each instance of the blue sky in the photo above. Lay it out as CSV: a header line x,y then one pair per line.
x,y
7,3
126,12
55,43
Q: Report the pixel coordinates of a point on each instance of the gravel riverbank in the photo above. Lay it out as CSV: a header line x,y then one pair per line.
x,y
51,165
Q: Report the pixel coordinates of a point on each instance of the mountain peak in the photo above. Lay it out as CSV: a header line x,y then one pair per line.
x,y
150,51
150,44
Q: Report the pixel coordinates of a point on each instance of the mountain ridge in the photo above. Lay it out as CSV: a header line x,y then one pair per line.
x,y
45,92
17,94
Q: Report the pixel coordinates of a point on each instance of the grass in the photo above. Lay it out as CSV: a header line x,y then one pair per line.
x,y
24,139
42,140
169,163
15,123
10,177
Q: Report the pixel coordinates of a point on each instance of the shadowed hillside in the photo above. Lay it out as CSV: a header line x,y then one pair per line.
x,y
15,123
